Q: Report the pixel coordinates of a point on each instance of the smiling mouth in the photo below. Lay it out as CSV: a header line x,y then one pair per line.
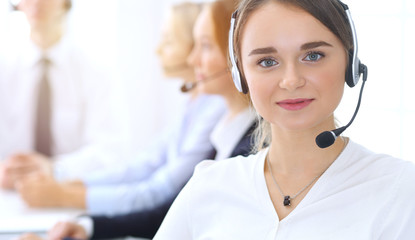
x,y
295,104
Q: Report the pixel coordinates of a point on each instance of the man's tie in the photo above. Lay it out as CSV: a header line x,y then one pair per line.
x,y
43,135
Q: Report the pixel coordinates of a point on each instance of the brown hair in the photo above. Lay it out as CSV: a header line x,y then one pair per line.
x,y
329,12
221,12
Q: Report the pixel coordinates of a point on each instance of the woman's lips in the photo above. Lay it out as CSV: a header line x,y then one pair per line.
x,y
295,104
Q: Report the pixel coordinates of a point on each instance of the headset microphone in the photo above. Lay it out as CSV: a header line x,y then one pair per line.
x,y
327,138
186,87
354,69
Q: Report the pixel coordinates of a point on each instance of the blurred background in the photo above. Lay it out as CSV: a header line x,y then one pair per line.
x,y
122,36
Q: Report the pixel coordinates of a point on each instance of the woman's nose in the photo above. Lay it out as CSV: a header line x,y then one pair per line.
x,y
291,78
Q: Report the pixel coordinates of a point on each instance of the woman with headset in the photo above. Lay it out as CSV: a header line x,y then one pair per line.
x,y
293,57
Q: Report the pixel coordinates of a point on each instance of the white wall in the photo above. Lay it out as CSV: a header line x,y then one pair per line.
x,y
124,35
386,35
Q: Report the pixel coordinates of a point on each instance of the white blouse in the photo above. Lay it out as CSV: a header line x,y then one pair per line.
x,y
362,195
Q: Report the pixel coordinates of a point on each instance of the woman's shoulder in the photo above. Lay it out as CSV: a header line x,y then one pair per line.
x,y
358,154
236,170
371,165
237,163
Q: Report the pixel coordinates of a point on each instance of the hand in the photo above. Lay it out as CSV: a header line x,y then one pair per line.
x,y
6,178
29,236
41,191
22,165
67,229
44,191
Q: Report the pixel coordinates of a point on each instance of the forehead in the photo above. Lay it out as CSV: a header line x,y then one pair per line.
x,y
204,24
279,25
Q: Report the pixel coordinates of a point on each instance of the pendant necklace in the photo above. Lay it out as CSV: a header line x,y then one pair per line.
x,y
288,198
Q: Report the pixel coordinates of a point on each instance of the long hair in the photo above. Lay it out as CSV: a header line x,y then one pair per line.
x,y
329,12
221,12
185,15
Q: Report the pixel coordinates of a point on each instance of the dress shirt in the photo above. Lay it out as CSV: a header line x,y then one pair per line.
x,y
86,127
162,170
362,195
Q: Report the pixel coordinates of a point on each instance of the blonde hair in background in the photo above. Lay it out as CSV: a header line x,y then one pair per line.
x,y
185,15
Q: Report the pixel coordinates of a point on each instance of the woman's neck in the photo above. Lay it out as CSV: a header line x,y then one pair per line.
x,y
46,35
297,153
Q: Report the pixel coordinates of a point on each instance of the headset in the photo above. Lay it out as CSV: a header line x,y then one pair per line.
x,y
353,72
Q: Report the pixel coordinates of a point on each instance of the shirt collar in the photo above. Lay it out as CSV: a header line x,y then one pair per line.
x,y
227,133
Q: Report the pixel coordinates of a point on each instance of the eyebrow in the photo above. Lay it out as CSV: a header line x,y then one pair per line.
x,y
312,45
263,51
305,46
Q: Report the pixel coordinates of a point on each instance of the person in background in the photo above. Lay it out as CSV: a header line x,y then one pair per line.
x,y
293,58
59,114
160,171
232,136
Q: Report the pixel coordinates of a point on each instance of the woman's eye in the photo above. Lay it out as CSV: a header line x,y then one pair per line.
x,y
313,56
267,62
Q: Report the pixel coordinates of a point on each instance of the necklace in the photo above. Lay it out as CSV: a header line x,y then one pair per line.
x,y
288,198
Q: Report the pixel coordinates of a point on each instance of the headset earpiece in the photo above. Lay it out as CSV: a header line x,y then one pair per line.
x,y
238,80
352,79
354,67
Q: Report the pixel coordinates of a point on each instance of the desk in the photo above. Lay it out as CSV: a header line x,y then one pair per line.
x,y
17,218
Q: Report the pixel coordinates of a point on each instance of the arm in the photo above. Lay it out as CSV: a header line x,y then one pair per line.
x,y
142,224
183,155
44,191
135,170
63,230
162,185
19,166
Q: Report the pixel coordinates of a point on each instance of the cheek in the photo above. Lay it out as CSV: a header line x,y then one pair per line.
x,y
179,53
330,83
212,64
261,90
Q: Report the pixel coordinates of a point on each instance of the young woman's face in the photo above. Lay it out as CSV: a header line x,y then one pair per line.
x,y
210,64
174,48
294,67
43,11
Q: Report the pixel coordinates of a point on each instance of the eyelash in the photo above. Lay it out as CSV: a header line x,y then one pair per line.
x,y
262,60
322,55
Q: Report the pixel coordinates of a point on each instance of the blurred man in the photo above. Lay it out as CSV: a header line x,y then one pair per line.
x,y
57,111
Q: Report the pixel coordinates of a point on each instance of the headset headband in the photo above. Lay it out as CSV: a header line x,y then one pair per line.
x,y
354,68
